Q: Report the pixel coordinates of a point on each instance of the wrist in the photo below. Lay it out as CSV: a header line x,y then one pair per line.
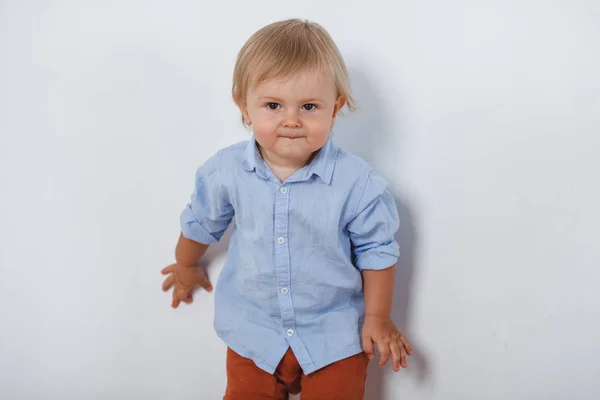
x,y
378,316
186,264
189,252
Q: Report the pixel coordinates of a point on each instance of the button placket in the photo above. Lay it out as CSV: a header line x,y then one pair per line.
x,y
282,260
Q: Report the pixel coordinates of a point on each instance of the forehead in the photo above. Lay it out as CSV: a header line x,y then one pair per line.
x,y
316,84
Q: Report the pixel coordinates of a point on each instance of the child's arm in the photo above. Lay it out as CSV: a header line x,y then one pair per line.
x,y
203,221
378,326
379,290
372,231
185,274
188,251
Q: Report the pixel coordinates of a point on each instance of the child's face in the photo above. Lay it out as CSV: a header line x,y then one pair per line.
x,y
292,118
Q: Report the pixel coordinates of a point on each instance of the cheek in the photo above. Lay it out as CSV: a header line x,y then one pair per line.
x,y
262,121
319,127
264,118
264,132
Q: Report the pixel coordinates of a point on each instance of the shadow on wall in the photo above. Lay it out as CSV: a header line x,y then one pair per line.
x,y
366,134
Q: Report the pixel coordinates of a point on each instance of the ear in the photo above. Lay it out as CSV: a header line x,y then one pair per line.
x,y
244,110
339,104
246,116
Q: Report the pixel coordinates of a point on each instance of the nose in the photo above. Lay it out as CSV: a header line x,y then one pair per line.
x,y
291,119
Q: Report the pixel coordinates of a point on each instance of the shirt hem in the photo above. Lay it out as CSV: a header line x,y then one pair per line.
x,y
352,351
260,363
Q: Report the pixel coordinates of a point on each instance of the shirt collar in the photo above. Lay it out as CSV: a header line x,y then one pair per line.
x,y
322,165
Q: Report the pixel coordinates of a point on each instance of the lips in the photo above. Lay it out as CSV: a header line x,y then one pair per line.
x,y
291,136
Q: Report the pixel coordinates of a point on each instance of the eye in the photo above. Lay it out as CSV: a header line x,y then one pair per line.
x,y
272,106
309,106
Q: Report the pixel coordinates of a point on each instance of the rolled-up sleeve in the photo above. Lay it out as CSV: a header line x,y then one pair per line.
x,y
374,225
209,212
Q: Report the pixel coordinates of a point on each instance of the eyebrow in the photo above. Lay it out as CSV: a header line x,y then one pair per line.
x,y
309,100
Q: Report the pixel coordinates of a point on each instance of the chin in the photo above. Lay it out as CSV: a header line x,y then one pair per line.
x,y
294,152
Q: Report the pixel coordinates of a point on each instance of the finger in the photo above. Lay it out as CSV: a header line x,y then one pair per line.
x,y
168,269
183,294
168,283
175,302
384,352
368,346
190,298
406,344
403,362
396,355
204,283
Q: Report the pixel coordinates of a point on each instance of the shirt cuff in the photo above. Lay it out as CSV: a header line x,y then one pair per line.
x,y
379,258
193,230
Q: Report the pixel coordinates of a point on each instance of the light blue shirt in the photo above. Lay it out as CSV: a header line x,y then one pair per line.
x,y
292,276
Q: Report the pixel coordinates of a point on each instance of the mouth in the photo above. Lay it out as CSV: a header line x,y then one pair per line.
x,y
291,136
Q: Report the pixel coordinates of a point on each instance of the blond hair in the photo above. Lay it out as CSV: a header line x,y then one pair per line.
x,y
285,48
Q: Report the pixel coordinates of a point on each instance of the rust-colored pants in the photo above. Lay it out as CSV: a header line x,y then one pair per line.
x,y
343,380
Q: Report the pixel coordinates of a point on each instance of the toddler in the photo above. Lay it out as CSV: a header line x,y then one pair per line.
x,y
306,291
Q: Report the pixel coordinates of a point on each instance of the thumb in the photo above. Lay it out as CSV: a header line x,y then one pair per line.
x,y
368,346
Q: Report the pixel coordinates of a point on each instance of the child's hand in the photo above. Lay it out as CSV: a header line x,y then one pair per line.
x,y
388,339
185,279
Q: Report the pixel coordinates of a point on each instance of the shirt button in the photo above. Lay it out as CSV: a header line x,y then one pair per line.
x,y
280,240
285,290
290,332
283,190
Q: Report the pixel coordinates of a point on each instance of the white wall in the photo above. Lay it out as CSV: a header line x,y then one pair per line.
x,y
483,115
